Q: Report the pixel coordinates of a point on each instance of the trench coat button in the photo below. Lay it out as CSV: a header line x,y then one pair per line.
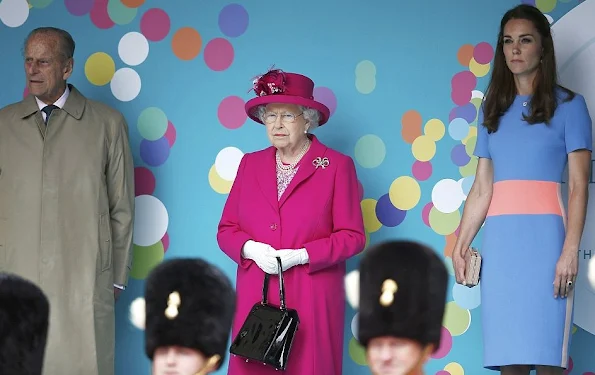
x,y
273,226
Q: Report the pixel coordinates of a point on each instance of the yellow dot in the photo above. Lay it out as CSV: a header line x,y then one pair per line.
x,y
435,129
470,146
545,6
357,352
454,368
456,319
472,133
218,184
574,329
469,169
478,69
444,223
423,148
371,222
404,193
100,68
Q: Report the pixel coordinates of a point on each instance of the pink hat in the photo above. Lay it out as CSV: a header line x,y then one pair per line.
x,y
276,86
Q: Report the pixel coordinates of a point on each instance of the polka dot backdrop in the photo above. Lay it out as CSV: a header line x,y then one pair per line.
x,y
181,72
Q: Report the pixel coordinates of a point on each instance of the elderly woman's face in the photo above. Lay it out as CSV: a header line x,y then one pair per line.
x,y
394,356
285,123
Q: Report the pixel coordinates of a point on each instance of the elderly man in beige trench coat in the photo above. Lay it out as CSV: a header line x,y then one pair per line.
x,y
67,205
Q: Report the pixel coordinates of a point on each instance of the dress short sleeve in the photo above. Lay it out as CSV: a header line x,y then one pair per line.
x,y
578,126
481,145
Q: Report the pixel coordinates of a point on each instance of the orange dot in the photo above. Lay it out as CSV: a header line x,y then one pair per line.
x,y
133,3
451,240
411,126
186,43
465,54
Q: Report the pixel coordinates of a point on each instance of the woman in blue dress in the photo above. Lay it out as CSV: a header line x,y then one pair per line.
x,y
529,130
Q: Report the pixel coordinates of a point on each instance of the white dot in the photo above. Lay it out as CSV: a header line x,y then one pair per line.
x,y
476,94
227,163
549,18
355,325
150,220
14,13
133,48
125,84
591,273
447,196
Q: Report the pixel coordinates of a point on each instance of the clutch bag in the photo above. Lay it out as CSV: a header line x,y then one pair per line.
x,y
268,332
472,267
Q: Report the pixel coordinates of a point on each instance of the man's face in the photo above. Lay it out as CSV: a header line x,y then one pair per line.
x,y
395,356
175,360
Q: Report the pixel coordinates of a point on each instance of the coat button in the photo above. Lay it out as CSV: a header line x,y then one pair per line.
x,y
274,226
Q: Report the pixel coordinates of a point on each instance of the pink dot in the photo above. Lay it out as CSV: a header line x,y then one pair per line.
x,y
360,189
25,92
425,213
165,242
99,15
144,181
460,96
155,24
231,112
422,170
483,53
443,372
327,97
458,230
445,344
570,366
587,373
170,134
464,80
219,54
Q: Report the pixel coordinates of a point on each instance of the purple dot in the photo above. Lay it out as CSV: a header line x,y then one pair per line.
x,y
528,2
327,97
459,156
233,20
79,7
154,153
467,112
388,214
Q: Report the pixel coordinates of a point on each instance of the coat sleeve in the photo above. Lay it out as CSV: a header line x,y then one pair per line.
x,y
348,237
230,236
120,190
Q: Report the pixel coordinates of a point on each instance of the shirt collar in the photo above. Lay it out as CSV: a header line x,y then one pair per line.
x,y
59,103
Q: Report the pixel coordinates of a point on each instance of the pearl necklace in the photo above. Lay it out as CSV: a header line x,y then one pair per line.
x,y
291,166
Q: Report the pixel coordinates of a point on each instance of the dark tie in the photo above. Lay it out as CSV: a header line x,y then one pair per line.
x,y
48,111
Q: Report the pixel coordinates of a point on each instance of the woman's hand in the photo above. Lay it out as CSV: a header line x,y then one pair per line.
x,y
458,263
566,271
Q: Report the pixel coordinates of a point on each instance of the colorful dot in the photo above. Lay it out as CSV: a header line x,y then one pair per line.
x,y
151,220
451,241
165,242
133,3
327,97
464,81
152,123
99,15
483,53
145,258
125,84
444,224
404,193
154,153
78,7
464,54
571,366
447,196
421,170
371,222
469,169
472,133
133,48
477,69
360,190
442,372
460,96
465,297
14,13
459,155
387,214
449,266
120,13
468,112
186,43
454,368
218,184
423,148
456,319
434,129
458,128
466,184
354,325
170,133
155,24
357,352
545,6
370,151
411,126
231,112
470,145
365,77
233,20
425,213
227,162
100,68
39,4
445,344
144,181
218,54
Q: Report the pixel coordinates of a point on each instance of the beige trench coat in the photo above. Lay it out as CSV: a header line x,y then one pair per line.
x,y
66,220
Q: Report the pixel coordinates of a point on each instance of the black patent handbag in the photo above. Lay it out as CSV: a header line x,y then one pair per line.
x,y
268,332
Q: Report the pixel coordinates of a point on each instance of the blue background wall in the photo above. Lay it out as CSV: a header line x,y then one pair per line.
x,y
403,81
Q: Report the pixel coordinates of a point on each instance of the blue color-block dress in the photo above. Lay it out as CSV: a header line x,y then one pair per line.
x,y
524,233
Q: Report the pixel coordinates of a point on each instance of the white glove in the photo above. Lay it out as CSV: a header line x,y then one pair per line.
x,y
262,254
291,258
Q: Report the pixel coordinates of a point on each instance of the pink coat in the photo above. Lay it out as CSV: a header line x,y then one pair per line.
x,y
320,210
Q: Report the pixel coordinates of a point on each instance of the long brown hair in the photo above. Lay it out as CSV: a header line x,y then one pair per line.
x,y
502,89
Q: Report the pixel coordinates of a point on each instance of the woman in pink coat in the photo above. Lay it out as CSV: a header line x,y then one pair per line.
x,y
297,199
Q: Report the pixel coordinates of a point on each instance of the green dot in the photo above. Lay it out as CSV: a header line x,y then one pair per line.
x,y
365,85
357,352
145,259
152,123
545,6
119,13
40,3
444,224
469,169
370,151
470,146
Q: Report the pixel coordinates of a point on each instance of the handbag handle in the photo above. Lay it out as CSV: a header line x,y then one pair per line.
x,y
265,286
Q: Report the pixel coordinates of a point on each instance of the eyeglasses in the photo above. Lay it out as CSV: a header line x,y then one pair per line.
x,y
286,118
